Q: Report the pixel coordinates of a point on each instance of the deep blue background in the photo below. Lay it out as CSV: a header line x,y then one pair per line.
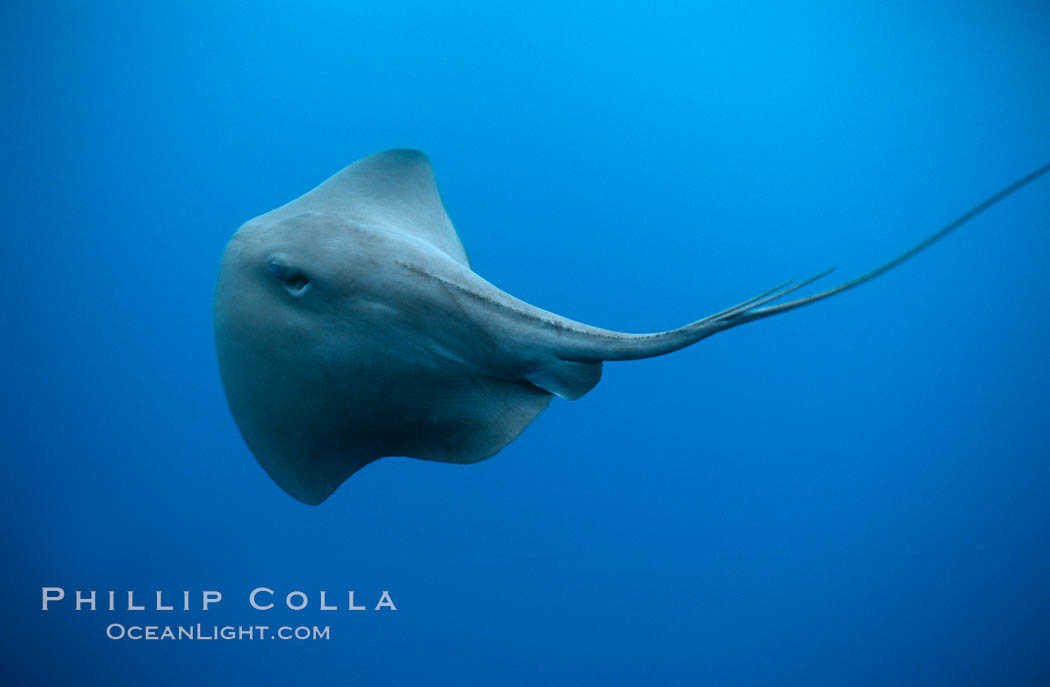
x,y
856,493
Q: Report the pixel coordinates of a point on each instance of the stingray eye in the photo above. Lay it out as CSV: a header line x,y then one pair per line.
x,y
293,281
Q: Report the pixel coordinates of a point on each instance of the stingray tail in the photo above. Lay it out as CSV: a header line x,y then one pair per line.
x,y
635,346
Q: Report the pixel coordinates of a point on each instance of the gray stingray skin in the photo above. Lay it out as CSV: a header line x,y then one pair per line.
x,y
350,326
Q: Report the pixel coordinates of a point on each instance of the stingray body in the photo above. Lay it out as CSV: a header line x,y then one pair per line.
x,y
350,326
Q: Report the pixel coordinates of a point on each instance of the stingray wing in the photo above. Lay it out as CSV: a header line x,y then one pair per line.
x,y
394,189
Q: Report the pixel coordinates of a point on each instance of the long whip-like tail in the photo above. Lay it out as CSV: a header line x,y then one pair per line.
x,y
634,346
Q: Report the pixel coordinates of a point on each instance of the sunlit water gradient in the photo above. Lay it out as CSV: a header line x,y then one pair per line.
x,y
851,494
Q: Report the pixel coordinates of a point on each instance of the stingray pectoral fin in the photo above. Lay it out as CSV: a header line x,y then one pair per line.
x,y
568,379
468,420
394,189
313,479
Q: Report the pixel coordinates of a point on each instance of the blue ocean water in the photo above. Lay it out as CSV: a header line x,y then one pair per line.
x,y
851,494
